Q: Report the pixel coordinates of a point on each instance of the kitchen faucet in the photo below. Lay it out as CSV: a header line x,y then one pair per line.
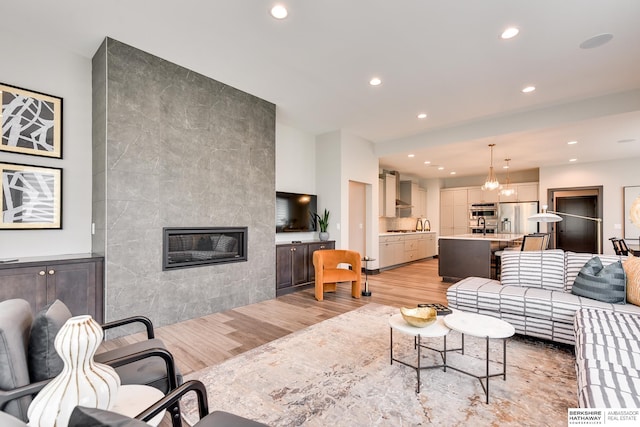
x,y
484,225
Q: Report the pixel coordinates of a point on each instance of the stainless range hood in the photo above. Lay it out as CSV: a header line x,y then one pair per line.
x,y
400,204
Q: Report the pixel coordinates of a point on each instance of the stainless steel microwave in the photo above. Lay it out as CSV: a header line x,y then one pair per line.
x,y
484,210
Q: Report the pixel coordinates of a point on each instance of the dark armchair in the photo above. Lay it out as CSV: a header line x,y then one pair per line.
x,y
28,359
85,417
81,417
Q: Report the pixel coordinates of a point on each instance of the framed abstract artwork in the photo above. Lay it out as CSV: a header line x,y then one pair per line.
x,y
31,197
31,122
632,212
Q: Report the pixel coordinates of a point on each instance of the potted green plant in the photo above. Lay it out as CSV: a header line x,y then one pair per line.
x,y
323,223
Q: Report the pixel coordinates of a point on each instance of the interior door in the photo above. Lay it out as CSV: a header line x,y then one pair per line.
x,y
577,234
357,217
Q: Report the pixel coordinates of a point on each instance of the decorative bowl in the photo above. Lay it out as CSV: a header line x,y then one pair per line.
x,y
419,316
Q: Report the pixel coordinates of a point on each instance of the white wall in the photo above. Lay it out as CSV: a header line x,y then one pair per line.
x,y
295,169
295,160
612,175
56,72
360,164
328,183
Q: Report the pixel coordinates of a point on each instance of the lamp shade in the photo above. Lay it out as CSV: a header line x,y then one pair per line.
x,y
545,217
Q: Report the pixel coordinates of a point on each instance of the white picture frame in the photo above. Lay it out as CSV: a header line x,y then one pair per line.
x,y
632,212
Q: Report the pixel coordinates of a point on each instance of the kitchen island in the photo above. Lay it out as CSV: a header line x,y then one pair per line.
x,y
466,255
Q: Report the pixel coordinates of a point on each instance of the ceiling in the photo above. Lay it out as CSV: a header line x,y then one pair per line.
x,y
442,58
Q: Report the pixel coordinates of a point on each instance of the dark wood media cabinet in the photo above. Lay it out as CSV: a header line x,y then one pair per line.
x,y
294,265
76,280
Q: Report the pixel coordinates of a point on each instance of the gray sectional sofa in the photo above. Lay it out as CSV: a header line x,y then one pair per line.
x,y
534,295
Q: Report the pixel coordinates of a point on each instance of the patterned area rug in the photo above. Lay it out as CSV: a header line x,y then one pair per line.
x,y
338,373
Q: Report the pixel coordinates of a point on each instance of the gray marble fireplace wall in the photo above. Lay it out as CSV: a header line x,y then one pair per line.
x,y
173,148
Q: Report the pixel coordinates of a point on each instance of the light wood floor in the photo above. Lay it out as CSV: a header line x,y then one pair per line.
x,y
211,339
205,341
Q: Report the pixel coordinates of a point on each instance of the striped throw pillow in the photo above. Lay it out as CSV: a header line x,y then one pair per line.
x,y
632,270
606,284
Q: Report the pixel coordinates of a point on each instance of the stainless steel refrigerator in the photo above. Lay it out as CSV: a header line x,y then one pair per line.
x,y
512,217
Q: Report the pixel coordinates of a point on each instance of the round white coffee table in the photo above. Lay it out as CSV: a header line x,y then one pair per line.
x,y
436,329
482,326
132,399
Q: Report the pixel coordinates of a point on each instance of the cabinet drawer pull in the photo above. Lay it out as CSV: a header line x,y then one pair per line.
x,y
52,272
41,273
322,247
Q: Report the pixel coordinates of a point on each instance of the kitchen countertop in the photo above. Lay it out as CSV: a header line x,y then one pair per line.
x,y
403,233
490,237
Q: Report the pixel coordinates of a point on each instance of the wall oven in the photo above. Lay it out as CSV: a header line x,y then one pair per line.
x,y
491,227
488,211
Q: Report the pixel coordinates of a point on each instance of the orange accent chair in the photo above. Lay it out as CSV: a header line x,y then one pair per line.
x,y
328,274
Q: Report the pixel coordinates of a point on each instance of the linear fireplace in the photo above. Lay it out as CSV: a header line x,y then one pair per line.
x,y
195,247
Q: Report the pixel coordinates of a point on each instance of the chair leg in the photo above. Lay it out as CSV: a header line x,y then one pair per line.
x,y
319,292
355,289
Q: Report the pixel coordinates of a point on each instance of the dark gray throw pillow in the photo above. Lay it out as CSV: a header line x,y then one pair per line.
x,y
606,284
44,362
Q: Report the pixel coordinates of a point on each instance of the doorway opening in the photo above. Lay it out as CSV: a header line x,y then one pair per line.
x,y
576,234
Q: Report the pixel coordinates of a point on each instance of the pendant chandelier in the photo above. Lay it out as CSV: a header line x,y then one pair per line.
x,y
507,189
492,182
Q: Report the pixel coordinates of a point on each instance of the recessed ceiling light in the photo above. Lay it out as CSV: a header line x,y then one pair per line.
x,y
375,81
422,115
596,41
573,160
279,11
427,162
528,89
452,173
572,142
440,168
509,33
505,167
411,155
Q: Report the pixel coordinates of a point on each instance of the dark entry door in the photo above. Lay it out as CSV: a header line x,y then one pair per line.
x,y
577,234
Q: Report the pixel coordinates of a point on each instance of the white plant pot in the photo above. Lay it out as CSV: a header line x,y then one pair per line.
x,y
81,382
324,236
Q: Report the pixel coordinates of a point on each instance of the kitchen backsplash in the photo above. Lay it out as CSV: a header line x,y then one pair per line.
x,y
386,224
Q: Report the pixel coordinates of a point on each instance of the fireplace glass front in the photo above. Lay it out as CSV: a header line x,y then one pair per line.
x,y
194,247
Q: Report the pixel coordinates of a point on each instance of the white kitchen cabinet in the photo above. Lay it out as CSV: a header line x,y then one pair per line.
x,y
432,244
407,247
427,245
380,197
411,247
422,203
478,195
391,250
528,192
454,211
525,192
389,195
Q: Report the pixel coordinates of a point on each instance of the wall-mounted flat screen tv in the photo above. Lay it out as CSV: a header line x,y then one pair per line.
x,y
294,212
